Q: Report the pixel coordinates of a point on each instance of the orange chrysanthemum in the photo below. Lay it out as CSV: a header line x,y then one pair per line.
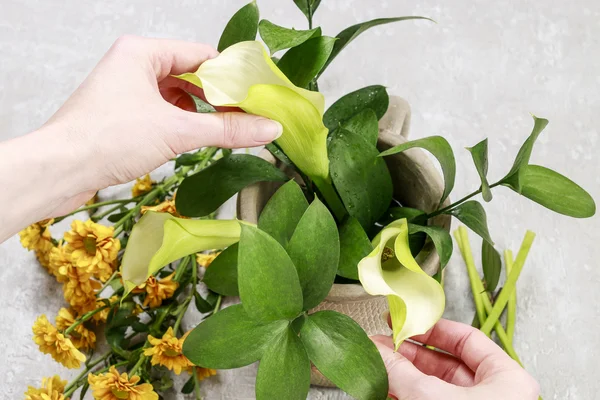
x,y
167,206
112,386
37,236
167,352
82,338
93,247
52,389
52,342
142,186
157,290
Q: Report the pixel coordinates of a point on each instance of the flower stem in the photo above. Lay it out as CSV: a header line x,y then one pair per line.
x,y
97,218
196,384
331,198
137,365
479,289
465,249
108,282
459,202
510,284
511,307
96,205
71,387
84,318
218,304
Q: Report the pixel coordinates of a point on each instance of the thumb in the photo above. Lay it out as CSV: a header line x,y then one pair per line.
x,y
230,130
405,380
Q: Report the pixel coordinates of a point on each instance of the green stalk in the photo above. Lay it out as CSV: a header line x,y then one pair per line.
x,y
465,249
83,318
510,284
331,198
218,305
459,202
511,314
96,205
196,384
479,289
97,218
107,283
75,383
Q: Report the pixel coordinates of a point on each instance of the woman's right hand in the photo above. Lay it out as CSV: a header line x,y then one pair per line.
x,y
475,368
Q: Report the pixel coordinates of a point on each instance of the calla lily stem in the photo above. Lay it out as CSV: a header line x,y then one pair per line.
x,y
510,284
511,307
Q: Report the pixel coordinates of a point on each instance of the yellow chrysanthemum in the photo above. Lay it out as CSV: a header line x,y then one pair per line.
x,y
52,342
57,258
82,338
79,288
157,290
52,389
203,373
112,386
93,247
167,206
43,257
204,260
142,186
37,236
167,352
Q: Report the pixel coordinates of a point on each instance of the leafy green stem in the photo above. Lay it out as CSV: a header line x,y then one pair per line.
x,y
218,304
98,217
108,282
459,202
84,318
71,387
96,205
465,249
510,284
511,307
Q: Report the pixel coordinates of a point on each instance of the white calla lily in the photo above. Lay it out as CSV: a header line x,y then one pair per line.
x,y
416,300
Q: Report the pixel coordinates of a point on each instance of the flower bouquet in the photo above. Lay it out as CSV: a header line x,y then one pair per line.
x,y
337,201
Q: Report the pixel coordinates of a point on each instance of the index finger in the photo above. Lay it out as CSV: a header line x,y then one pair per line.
x,y
465,342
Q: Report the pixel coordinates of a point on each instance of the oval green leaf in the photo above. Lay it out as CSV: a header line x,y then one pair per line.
x,y
351,33
479,152
556,192
374,97
241,27
230,339
222,277
223,179
283,211
441,240
308,7
278,38
267,278
284,370
315,251
440,149
492,266
365,124
343,352
302,63
360,177
473,215
354,246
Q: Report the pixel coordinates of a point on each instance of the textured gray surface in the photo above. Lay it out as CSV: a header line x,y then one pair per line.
x,y
477,73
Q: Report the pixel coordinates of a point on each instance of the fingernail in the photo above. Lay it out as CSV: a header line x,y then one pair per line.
x,y
267,130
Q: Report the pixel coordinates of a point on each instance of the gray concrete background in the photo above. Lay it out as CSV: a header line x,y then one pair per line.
x,y
479,72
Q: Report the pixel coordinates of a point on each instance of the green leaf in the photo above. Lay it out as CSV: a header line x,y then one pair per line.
x,y
315,251
201,304
241,27
278,38
524,154
189,386
284,370
360,177
479,152
354,246
411,214
374,97
441,240
472,214
343,352
230,339
302,63
491,264
308,7
223,179
440,148
267,278
555,192
351,33
160,238
222,276
366,124
283,211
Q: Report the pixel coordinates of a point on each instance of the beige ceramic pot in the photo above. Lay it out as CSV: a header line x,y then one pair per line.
x,y
417,184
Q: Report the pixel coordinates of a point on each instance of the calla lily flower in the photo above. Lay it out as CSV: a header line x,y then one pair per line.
x,y
160,238
244,76
416,300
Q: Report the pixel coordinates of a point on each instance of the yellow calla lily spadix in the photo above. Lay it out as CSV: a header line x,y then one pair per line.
x,y
244,76
416,300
